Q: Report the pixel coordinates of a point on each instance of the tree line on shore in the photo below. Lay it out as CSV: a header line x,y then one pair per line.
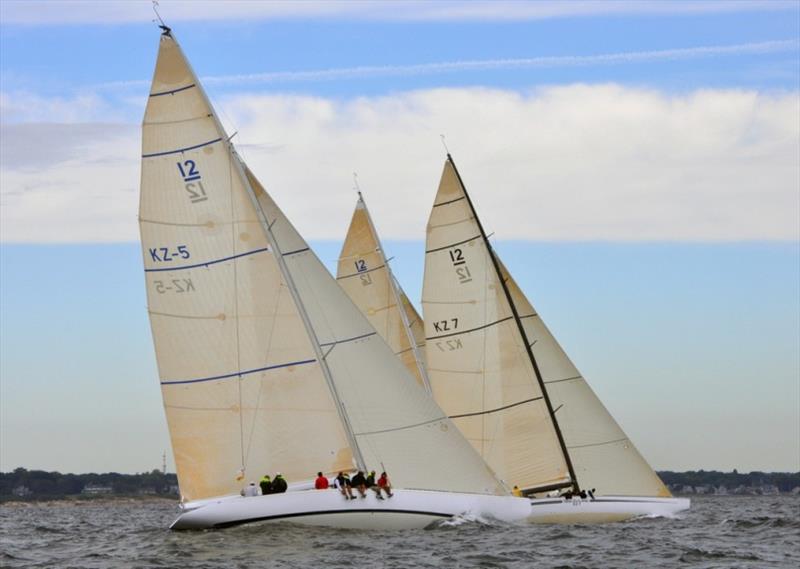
x,y
23,484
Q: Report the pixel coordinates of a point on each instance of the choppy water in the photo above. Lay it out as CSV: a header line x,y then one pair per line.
x,y
722,532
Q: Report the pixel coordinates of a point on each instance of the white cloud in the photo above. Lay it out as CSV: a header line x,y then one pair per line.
x,y
442,67
561,163
513,63
48,12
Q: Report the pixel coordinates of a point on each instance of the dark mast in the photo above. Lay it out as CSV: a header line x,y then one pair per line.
x,y
525,340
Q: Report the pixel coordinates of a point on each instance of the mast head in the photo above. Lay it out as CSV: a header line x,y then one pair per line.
x,y
165,29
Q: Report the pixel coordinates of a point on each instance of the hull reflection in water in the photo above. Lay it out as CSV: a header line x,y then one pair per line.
x,y
407,509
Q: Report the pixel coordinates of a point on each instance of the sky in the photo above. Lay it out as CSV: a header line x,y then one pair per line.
x,y
638,164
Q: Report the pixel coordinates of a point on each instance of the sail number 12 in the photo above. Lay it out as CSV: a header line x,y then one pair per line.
x,y
192,182
460,265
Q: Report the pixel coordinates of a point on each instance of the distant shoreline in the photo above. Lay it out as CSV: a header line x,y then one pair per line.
x,y
24,486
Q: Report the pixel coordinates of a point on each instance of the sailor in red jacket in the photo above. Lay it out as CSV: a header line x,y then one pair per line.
x,y
321,483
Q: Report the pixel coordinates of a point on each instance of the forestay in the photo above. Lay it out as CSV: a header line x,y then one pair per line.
x,y
602,455
364,274
478,365
242,387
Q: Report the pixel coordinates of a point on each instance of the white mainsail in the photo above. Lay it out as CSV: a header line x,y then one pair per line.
x,y
459,260
238,374
265,364
478,365
365,276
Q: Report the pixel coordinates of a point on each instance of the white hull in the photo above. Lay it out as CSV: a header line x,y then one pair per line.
x,y
603,509
407,509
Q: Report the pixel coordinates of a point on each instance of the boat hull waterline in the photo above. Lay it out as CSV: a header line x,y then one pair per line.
x,y
603,509
407,509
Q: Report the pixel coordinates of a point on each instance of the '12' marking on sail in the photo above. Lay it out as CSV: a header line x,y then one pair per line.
x,y
191,178
361,267
462,272
163,254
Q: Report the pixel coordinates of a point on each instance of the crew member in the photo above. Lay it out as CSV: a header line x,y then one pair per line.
x,y
321,483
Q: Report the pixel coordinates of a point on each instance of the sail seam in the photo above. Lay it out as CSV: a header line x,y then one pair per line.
x,y
449,202
453,244
470,330
180,150
565,379
503,408
353,339
400,428
178,90
253,252
296,251
599,444
360,273
527,315
236,374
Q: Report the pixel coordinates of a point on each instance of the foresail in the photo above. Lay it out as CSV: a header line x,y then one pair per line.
x,y
602,455
396,425
478,365
364,276
242,390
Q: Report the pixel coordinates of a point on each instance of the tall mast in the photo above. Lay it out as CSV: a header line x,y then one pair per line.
x,y
287,276
398,300
521,329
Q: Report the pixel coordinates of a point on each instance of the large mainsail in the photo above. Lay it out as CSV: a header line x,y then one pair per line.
x,y
265,364
238,374
365,276
478,365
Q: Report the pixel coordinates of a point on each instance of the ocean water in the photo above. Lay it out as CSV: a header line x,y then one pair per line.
x,y
724,532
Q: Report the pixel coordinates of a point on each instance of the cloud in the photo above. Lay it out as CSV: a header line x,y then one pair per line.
x,y
515,63
576,162
560,61
49,12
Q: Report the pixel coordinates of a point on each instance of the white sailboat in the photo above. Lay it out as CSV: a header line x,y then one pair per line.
x,y
265,364
501,376
365,275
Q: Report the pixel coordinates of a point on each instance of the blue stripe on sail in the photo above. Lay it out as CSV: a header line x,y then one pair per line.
x,y
179,150
349,339
236,374
178,90
207,263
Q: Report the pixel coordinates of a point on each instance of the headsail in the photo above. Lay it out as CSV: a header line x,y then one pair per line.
x,y
395,423
242,383
478,365
602,454
365,276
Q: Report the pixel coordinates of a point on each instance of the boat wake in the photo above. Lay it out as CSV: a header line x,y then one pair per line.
x,y
466,519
